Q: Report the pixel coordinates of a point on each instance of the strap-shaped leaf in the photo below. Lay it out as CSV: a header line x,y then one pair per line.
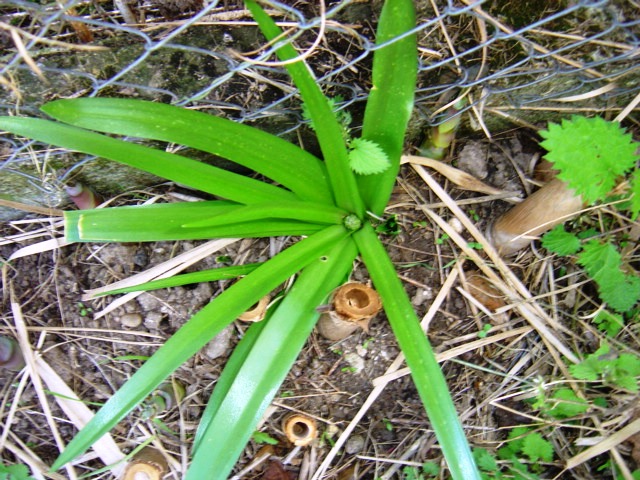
x,y
231,368
201,328
162,222
415,346
267,154
209,275
326,125
173,167
301,211
391,98
233,416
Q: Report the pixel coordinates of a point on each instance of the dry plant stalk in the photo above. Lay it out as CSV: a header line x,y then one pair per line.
x,y
257,312
147,464
299,429
353,306
551,205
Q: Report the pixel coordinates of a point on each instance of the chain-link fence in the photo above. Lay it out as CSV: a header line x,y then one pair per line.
x,y
515,62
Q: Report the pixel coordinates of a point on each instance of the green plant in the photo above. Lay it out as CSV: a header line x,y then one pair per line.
x,y
426,471
14,472
618,370
591,154
335,209
602,261
520,457
263,438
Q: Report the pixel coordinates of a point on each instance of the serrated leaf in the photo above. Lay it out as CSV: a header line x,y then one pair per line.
x,y
602,262
537,448
516,437
560,241
590,154
626,382
595,364
366,157
568,404
629,364
485,460
609,322
585,371
622,294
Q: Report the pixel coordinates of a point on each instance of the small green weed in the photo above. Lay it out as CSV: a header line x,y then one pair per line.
x,y
365,156
591,155
426,471
521,457
14,472
263,438
609,367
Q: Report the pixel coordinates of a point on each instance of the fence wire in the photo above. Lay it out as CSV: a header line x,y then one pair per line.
x,y
515,62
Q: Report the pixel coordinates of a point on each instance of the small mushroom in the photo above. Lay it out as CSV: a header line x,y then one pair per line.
x,y
549,206
299,429
10,354
257,312
353,306
147,464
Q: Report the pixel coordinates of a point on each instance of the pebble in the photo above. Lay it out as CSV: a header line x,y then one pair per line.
x,y
354,445
131,320
220,344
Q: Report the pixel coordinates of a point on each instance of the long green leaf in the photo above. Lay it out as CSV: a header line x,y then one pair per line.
x,y
266,365
231,368
267,154
200,329
173,167
163,222
209,275
419,355
326,125
391,98
301,211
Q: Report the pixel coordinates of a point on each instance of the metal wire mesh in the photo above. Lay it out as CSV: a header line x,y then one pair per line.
x,y
514,62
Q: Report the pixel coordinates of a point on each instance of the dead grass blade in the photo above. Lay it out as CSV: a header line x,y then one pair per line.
x,y
605,445
163,270
40,247
80,415
27,457
76,411
47,211
457,176
32,370
511,286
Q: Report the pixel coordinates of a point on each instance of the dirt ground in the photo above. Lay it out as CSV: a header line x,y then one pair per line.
x,y
331,381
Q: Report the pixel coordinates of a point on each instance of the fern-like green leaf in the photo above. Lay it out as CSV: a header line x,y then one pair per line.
x,y
366,157
590,153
